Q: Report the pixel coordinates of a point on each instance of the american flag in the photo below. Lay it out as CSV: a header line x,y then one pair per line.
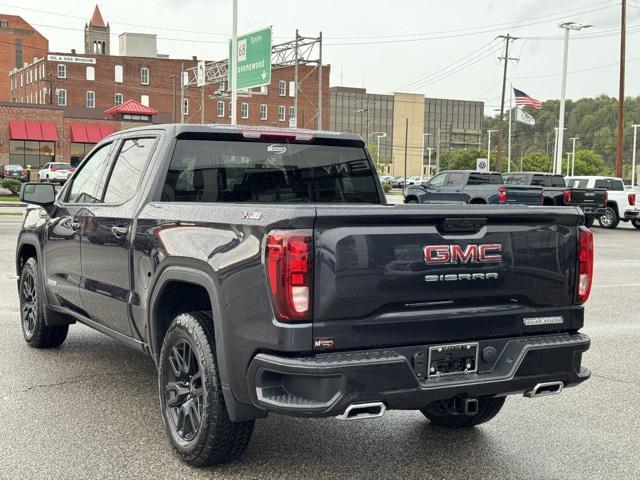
x,y
524,99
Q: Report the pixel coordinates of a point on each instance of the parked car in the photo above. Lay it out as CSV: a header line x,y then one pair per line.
x,y
396,182
16,172
55,172
384,179
592,201
304,295
468,186
621,204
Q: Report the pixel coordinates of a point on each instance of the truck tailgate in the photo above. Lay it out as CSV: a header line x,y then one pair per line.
x,y
589,199
524,195
409,274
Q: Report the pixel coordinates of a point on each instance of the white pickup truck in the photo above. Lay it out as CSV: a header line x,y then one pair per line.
x,y
621,204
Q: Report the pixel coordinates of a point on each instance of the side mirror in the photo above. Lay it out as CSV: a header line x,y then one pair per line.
x,y
43,194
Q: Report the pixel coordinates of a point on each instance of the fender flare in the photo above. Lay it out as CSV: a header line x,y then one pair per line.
x,y
198,277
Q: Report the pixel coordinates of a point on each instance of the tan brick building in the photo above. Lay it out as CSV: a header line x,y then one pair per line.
x,y
20,43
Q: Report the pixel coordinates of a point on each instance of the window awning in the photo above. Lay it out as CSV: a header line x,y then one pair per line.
x,y
85,133
32,130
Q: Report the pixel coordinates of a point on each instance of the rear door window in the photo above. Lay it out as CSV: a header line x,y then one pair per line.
x,y
477,178
515,179
203,170
455,179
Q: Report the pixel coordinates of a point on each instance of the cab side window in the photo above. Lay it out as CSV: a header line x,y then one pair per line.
x,y
128,169
455,179
438,180
88,182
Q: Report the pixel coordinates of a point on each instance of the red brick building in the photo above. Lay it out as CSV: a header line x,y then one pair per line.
x,y
20,43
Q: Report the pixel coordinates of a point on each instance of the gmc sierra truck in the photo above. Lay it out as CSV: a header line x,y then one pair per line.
x,y
468,186
592,201
263,272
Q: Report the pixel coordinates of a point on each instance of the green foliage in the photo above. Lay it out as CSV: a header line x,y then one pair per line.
x,y
386,187
460,160
589,162
536,162
12,185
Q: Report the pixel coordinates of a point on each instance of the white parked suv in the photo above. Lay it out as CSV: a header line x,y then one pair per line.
x,y
621,204
55,172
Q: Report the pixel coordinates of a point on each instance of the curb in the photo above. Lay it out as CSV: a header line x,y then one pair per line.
x,y
12,204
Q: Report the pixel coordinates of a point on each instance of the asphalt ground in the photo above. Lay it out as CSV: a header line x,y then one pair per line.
x,y
90,409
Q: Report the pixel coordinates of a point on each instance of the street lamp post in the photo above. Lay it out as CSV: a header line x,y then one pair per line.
x,y
633,162
429,149
573,154
489,147
378,135
563,90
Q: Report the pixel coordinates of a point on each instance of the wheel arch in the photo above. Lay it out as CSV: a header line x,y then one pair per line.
x,y
477,201
27,247
613,204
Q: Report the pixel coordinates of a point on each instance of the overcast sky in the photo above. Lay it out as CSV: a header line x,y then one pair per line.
x,y
386,45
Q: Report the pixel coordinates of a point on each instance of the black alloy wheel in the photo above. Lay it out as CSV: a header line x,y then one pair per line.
x,y
28,304
184,391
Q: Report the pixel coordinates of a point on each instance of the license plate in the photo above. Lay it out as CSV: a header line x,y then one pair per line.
x,y
452,359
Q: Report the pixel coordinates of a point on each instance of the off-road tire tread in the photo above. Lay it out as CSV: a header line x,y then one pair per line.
x,y
224,440
43,336
487,409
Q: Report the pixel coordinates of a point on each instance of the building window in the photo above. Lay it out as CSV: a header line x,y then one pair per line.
x,y
282,113
62,97
144,100
139,118
18,53
42,70
292,88
220,109
117,74
282,88
292,112
222,85
31,154
91,99
185,106
244,110
62,71
117,99
91,73
144,76
263,112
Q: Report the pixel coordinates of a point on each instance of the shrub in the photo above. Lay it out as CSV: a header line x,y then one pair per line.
x,y
12,185
386,187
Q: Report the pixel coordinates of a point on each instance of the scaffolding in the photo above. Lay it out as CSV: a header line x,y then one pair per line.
x,y
300,51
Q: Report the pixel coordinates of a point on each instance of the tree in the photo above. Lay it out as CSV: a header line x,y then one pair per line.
x,y
589,162
536,162
460,159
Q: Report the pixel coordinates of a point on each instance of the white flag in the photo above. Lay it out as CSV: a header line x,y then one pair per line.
x,y
524,117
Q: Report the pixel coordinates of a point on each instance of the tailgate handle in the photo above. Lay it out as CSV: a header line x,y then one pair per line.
x,y
461,225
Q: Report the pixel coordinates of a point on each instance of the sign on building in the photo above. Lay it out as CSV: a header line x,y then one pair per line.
x,y
254,59
70,59
482,165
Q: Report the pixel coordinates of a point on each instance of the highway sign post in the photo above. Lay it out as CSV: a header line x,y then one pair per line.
x,y
254,59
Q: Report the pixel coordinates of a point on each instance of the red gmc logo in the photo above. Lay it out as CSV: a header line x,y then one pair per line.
x,y
454,254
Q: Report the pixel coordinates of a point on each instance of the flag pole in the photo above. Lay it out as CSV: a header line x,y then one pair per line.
x,y
509,140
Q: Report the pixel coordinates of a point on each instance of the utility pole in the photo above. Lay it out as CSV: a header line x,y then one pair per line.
x,y
182,94
573,154
319,85
620,127
406,139
201,104
633,162
295,79
555,151
173,81
509,139
507,39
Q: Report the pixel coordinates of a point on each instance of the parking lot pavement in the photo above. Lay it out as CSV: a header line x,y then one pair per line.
x,y
90,409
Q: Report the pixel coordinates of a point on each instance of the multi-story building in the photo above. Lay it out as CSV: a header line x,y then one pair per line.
x,y
87,84
430,126
20,43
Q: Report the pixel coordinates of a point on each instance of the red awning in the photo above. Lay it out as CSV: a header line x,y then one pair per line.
x,y
85,133
32,130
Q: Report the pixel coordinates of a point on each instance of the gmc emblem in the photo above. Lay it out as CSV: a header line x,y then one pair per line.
x,y
455,254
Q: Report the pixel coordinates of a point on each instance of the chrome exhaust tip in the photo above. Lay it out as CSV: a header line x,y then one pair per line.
x,y
361,411
545,389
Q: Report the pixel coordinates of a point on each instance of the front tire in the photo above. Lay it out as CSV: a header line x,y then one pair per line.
x,y
636,223
193,408
610,219
34,329
440,413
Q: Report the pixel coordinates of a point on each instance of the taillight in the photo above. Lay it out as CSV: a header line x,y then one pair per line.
x,y
632,199
585,263
502,195
289,272
567,197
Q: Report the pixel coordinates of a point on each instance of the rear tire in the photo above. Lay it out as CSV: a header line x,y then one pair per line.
x,y
636,223
193,408
36,333
610,219
412,200
439,413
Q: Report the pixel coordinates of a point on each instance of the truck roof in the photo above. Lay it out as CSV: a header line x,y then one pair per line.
x,y
249,131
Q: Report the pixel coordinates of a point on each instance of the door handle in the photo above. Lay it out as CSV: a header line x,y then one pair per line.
x,y
119,231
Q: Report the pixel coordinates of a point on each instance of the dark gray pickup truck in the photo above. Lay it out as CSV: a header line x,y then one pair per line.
x,y
468,186
263,272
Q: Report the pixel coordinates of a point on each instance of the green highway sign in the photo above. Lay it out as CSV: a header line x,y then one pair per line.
x,y
254,59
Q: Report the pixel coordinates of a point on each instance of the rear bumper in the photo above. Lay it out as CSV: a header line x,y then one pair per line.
x,y
326,384
631,214
593,211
